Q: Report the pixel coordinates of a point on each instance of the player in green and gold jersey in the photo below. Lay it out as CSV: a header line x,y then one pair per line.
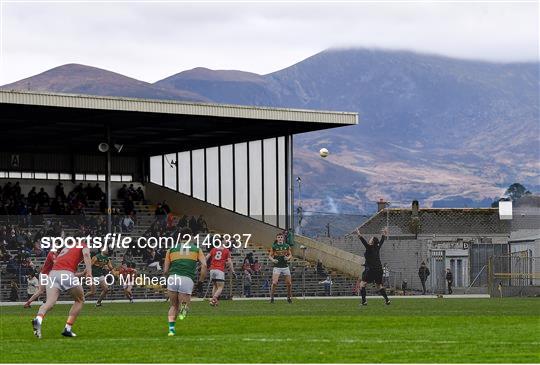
x,y
280,255
181,267
101,266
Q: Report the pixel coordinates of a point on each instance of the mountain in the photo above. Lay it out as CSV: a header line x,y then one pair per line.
x,y
81,79
444,131
431,128
229,86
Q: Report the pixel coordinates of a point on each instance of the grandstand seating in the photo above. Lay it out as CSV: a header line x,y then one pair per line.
x,y
304,283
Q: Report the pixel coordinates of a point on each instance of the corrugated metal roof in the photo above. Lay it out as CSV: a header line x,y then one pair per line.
x,y
174,107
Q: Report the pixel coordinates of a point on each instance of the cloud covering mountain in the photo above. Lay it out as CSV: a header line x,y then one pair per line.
x,y
441,130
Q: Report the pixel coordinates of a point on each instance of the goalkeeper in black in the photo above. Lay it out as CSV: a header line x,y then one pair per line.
x,y
373,271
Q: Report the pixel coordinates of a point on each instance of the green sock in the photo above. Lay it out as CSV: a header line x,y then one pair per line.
x,y
171,326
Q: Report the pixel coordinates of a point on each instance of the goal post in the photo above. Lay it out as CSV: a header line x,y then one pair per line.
x,y
517,274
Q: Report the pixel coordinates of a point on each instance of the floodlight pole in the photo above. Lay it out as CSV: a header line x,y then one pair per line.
x,y
290,182
108,181
304,271
300,210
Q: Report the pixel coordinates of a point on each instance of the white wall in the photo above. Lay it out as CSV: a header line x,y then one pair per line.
x,y
263,234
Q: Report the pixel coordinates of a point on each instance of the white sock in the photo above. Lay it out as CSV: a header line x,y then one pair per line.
x,y
39,319
68,327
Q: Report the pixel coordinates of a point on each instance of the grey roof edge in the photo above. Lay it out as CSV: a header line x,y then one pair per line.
x,y
175,107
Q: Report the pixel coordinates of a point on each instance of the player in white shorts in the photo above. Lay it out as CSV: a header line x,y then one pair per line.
x,y
43,277
280,255
220,257
63,277
181,270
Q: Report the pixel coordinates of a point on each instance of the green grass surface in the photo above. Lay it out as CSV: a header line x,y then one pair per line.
x,y
423,330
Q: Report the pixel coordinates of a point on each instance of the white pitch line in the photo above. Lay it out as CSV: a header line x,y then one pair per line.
x,y
318,340
314,340
105,302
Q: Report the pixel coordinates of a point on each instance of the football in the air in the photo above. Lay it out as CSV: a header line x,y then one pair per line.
x,y
324,152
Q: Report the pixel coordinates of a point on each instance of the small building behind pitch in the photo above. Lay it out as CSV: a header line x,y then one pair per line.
x,y
461,239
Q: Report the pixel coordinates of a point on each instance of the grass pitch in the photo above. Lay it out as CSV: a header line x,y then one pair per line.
x,y
315,331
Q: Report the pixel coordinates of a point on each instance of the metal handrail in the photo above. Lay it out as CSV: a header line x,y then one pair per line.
x,y
476,278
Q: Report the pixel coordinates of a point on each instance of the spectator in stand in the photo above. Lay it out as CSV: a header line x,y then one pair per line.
x,y
7,191
97,193
87,191
127,224
123,192
256,267
38,250
449,280
32,283
201,223
24,213
12,266
423,273
140,194
32,196
79,189
4,255
152,259
116,220
327,285
27,266
265,285
170,222
43,198
182,222
129,207
248,262
321,272
14,291
166,207
246,280
193,225
160,214
59,192
103,205
17,190
131,191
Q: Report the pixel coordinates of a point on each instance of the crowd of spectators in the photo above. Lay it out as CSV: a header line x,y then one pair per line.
x,y
20,235
125,193
164,225
14,203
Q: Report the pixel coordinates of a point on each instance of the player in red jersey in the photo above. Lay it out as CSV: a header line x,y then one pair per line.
x,y
219,256
43,275
63,277
127,278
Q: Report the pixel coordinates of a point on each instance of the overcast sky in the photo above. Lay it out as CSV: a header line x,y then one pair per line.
x,y
150,41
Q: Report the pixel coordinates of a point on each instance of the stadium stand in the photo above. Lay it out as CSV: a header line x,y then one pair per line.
x,y
21,256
